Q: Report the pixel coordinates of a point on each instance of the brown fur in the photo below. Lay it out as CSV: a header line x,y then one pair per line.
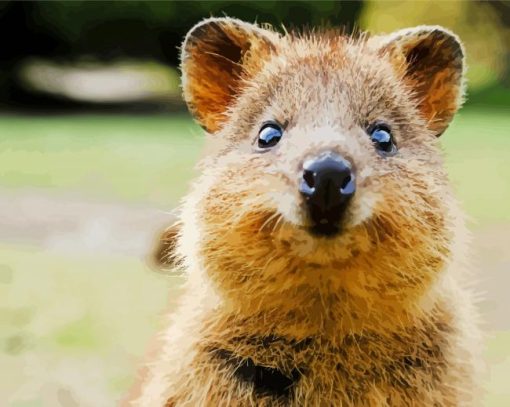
x,y
375,316
163,256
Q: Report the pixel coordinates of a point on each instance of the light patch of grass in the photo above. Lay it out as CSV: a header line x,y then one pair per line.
x,y
89,315
144,158
477,150
79,334
498,359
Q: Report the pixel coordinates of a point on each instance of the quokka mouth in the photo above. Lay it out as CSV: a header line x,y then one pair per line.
x,y
273,222
328,224
326,229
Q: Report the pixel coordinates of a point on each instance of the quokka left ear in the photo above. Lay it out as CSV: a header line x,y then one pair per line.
x,y
431,60
217,54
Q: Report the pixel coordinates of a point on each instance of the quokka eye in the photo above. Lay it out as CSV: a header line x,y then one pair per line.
x,y
269,135
381,136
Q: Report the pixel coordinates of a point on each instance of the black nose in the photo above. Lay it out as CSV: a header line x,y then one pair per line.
x,y
327,185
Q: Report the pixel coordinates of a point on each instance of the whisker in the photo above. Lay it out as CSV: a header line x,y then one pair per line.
x,y
273,216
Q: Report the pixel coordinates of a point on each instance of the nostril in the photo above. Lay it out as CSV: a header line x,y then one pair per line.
x,y
348,186
345,182
309,177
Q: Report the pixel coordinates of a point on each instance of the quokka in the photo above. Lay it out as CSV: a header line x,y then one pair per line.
x,y
323,247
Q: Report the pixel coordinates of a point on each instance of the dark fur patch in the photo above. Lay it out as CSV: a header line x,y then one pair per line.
x,y
273,340
266,381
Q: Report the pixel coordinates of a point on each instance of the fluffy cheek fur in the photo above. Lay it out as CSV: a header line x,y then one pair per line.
x,y
403,246
239,215
392,256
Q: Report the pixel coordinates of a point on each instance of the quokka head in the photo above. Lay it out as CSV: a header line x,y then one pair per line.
x,y
324,170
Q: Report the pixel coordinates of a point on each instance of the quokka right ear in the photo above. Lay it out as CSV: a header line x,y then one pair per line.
x,y
217,54
431,59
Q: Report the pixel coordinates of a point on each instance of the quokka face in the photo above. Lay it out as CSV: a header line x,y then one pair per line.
x,y
325,173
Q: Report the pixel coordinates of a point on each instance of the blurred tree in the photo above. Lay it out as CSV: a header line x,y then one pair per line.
x,y
501,9
476,23
100,30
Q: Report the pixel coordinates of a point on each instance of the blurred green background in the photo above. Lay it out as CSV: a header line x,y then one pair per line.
x,y
97,149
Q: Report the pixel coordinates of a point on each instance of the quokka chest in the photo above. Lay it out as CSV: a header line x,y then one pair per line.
x,y
282,369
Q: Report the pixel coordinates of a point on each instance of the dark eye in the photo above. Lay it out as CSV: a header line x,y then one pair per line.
x,y
380,134
269,135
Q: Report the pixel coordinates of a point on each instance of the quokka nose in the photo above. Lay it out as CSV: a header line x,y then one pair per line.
x,y
327,184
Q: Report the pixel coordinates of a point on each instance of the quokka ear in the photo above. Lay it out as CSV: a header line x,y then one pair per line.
x,y
431,60
217,54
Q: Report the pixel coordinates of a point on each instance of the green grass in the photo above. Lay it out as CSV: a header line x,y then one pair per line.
x,y
76,323
498,361
477,147
120,157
